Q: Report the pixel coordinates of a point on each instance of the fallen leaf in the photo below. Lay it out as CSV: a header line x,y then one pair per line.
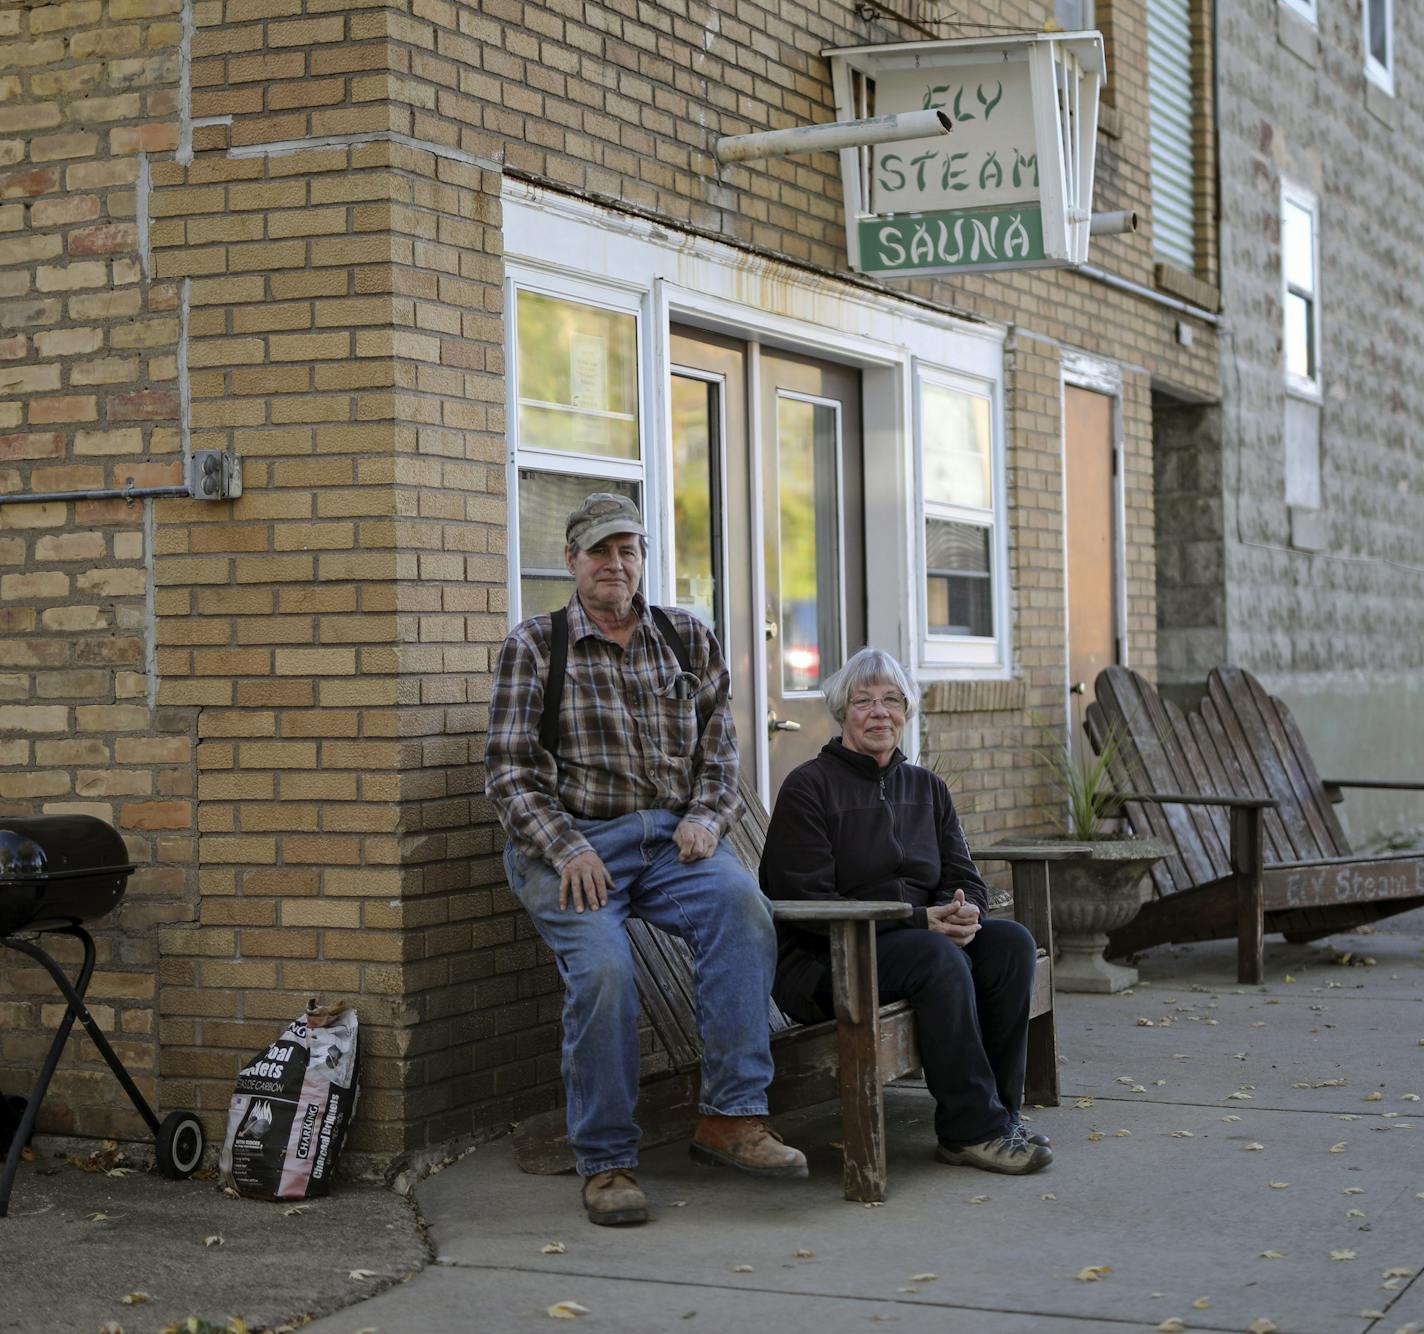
x,y
99,1217
1095,1135
361,1275
1262,1326
214,1241
1145,1023
553,1248
1374,1096
1372,1315
111,1327
1231,1117
295,1211
231,1193
1202,1304
979,1199
1238,1056
1345,1254
1340,1147
1238,1096
567,1310
875,1204
804,1254
1122,1134
1048,1195
911,1289
135,1298
743,1269
120,1172
1253,1147
1092,1273
1398,1271
1353,1190
678,1204
927,1278
1172,1325
1181,1134
1083,1103
1354,1213
1273,1255
1280,1185
1409,1097
1289,978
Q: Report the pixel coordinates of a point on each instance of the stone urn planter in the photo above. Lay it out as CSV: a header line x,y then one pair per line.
x,y
1092,897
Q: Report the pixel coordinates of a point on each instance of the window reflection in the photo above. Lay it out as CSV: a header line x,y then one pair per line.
x,y
697,503
807,441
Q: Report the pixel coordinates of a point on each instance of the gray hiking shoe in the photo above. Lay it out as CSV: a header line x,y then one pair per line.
x,y
1010,1153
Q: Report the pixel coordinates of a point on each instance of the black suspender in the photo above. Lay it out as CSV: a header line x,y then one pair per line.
x,y
559,663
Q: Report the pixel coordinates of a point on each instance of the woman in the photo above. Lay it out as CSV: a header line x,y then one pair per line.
x,y
861,822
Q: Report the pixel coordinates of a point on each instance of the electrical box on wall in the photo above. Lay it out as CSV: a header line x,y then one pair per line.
x,y
215,474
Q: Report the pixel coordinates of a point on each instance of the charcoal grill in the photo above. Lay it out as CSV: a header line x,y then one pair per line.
x,y
56,873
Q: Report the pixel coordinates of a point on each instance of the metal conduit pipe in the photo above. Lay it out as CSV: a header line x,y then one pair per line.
x,y
1147,294
832,136
129,493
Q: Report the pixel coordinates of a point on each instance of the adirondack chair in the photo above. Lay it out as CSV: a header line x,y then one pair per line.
x,y
1257,847
851,1057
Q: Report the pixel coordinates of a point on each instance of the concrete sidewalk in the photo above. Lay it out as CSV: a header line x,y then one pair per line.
x,y
1204,1125
1206,1128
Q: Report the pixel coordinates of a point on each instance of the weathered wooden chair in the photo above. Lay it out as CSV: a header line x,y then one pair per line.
x,y
1257,847
851,1057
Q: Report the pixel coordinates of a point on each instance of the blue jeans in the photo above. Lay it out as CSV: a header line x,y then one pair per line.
x,y
716,906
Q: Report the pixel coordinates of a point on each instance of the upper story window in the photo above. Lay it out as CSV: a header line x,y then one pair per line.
x,y
577,423
1300,279
1379,42
1305,8
1075,15
1171,115
962,558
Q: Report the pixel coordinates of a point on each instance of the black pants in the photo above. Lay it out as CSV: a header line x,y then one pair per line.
x,y
971,1016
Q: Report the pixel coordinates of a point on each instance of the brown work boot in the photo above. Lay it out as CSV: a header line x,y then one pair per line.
x,y
614,1197
748,1144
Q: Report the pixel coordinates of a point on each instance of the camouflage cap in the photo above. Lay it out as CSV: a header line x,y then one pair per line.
x,y
601,515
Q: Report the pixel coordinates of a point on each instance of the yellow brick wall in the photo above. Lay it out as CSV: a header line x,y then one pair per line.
x,y
88,399
282,700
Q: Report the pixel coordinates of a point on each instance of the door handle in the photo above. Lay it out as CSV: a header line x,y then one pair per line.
x,y
770,628
1078,688
775,724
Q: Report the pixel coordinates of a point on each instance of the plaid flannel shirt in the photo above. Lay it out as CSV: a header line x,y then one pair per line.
x,y
635,732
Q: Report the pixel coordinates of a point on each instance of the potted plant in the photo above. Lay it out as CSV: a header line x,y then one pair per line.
x,y
1092,897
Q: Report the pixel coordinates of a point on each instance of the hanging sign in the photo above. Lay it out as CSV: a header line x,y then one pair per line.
x,y
1009,187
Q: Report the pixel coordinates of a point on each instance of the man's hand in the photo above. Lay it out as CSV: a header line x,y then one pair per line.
x,y
584,880
959,920
694,841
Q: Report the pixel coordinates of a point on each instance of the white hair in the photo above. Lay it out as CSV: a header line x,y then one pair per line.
x,y
868,667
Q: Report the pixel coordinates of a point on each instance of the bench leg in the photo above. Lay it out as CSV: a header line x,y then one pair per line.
x,y
1032,910
856,994
1248,861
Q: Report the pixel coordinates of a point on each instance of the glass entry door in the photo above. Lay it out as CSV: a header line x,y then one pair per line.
x,y
813,546
775,565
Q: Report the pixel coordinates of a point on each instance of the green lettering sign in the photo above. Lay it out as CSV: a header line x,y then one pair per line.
x,y
952,239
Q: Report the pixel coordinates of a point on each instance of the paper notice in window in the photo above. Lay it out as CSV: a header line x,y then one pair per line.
x,y
588,371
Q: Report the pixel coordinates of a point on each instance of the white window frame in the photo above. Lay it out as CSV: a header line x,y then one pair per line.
x,y
674,278
1305,8
622,300
1381,75
1303,386
942,649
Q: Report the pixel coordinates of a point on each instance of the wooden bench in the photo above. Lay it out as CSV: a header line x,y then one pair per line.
x,y
1257,846
851,1057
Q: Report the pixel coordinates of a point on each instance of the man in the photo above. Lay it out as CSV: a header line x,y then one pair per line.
x,y
616,803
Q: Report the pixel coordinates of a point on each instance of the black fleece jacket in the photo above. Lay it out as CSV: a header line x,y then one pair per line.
x,y
844,827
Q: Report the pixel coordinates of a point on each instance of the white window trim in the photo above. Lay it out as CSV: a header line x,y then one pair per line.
x,y
1381,75
1305,8
1303,386
686,279
938,650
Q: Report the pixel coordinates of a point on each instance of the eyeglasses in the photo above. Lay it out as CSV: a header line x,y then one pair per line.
x,y
894,702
